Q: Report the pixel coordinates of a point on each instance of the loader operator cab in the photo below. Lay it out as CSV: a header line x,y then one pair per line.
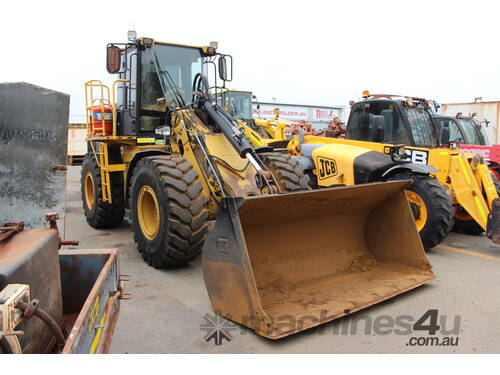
x,y
388,119
157,78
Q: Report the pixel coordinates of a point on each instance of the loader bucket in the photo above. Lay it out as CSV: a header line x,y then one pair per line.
x,y
280,264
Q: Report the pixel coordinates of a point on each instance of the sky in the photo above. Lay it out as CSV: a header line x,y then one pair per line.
x,y
303,52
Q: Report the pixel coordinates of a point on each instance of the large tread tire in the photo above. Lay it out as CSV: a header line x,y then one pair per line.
x,y
102,215
439,208
288,172
471,226
183,211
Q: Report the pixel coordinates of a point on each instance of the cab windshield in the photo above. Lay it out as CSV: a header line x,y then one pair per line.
x,y
422,128
237,104
178,66
361,123
455,132
472,132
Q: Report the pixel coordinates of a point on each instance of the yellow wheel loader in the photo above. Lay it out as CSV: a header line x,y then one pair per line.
x,y
261,132
275,261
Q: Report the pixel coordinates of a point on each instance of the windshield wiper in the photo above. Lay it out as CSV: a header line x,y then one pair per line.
x,y
164,73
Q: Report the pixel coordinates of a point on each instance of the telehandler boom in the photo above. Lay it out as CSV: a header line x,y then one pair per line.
x,y
160,145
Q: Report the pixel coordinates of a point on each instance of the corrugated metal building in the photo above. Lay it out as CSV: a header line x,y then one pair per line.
x,y
488,113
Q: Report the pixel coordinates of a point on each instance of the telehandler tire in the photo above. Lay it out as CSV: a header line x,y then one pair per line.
x,y
168,210
464,223
431,207
288,172
98,213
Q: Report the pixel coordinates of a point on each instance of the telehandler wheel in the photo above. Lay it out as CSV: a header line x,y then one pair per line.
x,y
98,213
287,171
464,223
169,211
431,207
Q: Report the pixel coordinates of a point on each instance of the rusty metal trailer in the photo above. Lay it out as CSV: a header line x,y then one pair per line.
x,y
78,293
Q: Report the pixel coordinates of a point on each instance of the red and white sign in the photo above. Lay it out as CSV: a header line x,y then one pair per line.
x,y
324,114
491,153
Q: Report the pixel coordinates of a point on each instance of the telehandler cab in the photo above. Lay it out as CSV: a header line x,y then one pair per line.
x,y
469,134
160,145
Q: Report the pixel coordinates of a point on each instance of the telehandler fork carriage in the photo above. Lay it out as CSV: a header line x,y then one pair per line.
x,y
168,152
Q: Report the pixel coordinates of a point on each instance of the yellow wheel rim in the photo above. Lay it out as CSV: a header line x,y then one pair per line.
x,y
89,190
418,208
461,214
148,212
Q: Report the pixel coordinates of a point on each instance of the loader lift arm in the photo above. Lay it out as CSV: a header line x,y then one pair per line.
x,y
203,100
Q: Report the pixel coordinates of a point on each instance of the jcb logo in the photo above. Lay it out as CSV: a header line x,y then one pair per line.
x,y
326,168
415,156
418,156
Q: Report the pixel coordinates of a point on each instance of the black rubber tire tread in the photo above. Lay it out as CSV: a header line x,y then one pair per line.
x,y
439,208
471,226
290,175
103,215
467,227
183,210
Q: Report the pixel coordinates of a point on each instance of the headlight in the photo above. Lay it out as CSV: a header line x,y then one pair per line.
x,y
165,131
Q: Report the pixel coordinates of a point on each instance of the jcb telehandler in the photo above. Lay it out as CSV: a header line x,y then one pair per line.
x,y
167,151
381,122
408,120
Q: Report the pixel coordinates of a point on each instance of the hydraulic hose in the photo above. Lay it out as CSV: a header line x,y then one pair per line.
x,y
32,308
241,144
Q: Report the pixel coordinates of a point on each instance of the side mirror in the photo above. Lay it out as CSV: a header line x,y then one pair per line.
x,y
378,128
113,59
224,73
445,134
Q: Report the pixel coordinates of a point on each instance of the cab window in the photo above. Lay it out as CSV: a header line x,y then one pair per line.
x,y
455,134
422,127
471,131
361,127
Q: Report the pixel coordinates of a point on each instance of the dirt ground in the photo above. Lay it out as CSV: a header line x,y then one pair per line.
x,y
170,311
